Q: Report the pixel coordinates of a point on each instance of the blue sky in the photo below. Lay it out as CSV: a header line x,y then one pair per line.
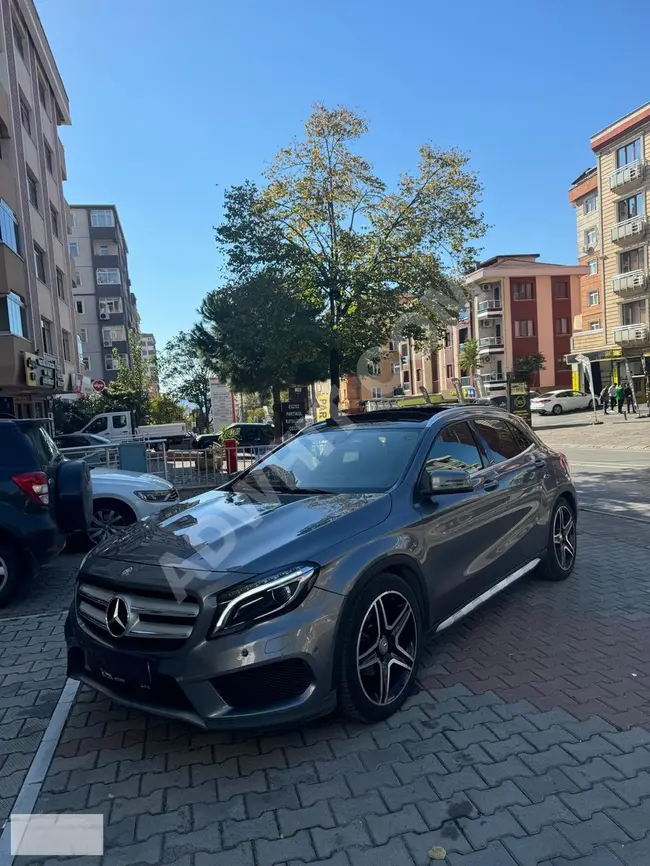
x,y
171,103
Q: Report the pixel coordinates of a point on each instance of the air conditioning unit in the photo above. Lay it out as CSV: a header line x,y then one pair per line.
x,y
104,316
108,343
487,323
638,281
637,227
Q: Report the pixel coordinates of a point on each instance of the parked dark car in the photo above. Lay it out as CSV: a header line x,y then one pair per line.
x,y
95,457
43,498
251,434
313,578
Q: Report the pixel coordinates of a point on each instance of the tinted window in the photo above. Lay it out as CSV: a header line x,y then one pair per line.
x,y
499,438
71,442
455,448
119,421
42,444
99,425
521,438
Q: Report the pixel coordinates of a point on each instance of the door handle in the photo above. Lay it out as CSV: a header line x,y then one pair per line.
x,y
491,484
540,463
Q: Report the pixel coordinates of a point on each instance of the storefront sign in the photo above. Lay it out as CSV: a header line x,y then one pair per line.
x,y
293,417
42,373
518,395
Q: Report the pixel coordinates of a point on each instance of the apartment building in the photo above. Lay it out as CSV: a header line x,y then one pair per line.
x,y
523,307
611,324
148,348
105,307
38,342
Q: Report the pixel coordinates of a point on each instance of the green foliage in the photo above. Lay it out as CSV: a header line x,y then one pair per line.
x,y
528,365
71,415
165,410
185,373
469,357
362,256
130,391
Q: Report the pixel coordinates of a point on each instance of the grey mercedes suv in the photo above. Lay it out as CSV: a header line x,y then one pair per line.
x,y
313,579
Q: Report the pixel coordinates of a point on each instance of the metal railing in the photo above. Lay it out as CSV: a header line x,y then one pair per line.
x,y
487,342
492,377
636,333
486,306
629,228
632,281
629,173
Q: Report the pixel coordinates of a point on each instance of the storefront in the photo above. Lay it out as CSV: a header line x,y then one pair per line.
x,y
613,365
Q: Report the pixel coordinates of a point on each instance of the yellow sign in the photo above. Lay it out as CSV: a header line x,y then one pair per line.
x,y
322,414
517,387
575,383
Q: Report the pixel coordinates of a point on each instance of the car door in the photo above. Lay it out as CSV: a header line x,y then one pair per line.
x,y
455,528
520,468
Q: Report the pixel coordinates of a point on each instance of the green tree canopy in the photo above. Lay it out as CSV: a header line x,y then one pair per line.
x,y
165,410
529,365
363,255
469,357
131,388
185,374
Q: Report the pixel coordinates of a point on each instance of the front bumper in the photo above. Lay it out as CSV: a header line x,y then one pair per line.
x,y
275,673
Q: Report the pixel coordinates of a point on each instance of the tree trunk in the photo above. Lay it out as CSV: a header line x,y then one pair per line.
x,y
277,414
335,381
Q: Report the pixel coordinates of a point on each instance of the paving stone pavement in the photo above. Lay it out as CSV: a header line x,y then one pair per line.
x,y
527,742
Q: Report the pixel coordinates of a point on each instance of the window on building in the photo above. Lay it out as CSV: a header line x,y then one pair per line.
x,y
562,325
19,39
32,189
46,334
113,335
407,378
418,375
114,305
593,298
634,313
79,307
376,393
450,371
628,153
60,284
86,363
593,266
73,246
39,262
591,237
525,328
108,276
392,346
589,205
630,207
54,215
26,115
112,363
49,157
67,351
630,260
102,218
561,364
9,234
447,339
42,93
13,315
396,367
522,292
103,250
561,290
73,219
595,325
374,369
77,278
83,335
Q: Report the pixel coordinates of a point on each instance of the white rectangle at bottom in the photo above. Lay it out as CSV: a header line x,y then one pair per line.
x,y
64,835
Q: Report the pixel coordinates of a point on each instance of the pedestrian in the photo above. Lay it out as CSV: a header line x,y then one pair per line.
x,y
612,395
629,398
604,399
620,398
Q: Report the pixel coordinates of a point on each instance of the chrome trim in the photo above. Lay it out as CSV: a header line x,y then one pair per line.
x,y
488,594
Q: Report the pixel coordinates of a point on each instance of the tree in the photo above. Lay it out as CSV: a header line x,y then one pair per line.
x,y
165,410
185,373
131,388
261,333
71,415
530,366
469,358
364,255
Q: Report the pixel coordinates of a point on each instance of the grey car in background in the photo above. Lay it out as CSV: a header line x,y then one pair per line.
x,y
313,579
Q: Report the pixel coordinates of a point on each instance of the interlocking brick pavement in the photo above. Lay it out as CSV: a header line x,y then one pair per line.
x,y
527,742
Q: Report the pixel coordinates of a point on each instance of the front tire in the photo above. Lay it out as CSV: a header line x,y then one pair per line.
x,y
382,642
109,517
10,565
562,543
590,405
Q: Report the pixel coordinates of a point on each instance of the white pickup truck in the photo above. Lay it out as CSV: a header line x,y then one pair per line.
x,y
119,426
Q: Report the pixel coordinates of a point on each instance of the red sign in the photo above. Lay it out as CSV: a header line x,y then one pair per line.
x,y
99,385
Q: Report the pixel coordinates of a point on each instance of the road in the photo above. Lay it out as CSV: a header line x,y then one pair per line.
x,y
612,482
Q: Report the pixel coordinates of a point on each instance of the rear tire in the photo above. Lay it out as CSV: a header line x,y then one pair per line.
x,y
381,635
557,409
10,564
562,544
591,404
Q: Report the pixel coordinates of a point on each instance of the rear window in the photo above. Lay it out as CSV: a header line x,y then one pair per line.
x,y
42,443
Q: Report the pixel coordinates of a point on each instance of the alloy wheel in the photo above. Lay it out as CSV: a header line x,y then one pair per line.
x,y
4,573
564,537
387,648
105,523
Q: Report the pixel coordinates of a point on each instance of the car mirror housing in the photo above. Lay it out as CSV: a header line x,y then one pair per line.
x,y
439,481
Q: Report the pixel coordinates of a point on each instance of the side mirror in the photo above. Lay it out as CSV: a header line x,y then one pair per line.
x,y
439,481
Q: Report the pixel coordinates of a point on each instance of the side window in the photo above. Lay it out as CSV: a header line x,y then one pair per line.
x,y
119,422
99,425
454,448
521,438
499,437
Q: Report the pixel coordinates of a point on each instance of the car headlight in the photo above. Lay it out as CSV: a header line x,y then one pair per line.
x,y
156,495
262,597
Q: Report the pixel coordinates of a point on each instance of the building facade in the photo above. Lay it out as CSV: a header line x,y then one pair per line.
x,y
611,325
148,347
105,307
524,307
38,340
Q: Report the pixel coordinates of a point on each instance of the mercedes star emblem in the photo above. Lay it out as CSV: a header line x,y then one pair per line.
x,y
117,617
127,571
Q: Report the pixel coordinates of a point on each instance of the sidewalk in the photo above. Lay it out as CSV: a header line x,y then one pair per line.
x,y
527,743
579,431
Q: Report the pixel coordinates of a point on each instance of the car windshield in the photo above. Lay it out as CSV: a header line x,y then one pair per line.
x,y
347,459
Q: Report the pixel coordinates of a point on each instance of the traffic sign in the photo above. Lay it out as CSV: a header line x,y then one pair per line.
x,y
99,385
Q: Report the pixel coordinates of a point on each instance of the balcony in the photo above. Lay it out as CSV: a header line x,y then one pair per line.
x,y
633,281
486,308
490,344
634,228
493,377
629,174
465,381
626,334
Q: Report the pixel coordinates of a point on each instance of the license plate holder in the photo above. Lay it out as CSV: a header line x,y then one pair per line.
x,y
120,669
